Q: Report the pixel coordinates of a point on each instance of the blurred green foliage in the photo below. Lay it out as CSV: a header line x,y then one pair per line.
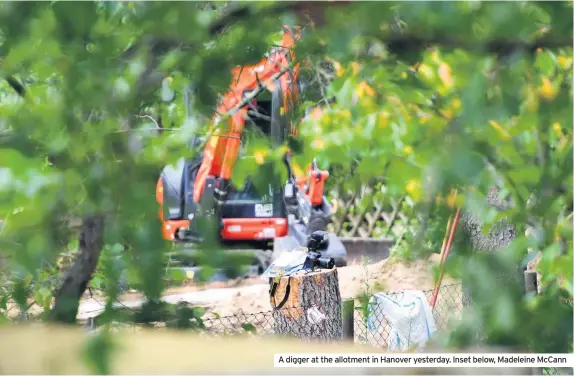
x,y
429,96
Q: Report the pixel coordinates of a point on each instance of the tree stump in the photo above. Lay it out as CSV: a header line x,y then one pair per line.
x,y
312,309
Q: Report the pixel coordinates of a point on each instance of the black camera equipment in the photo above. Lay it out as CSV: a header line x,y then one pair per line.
x,y
317,241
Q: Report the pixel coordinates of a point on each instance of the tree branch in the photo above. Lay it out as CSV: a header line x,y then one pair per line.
x,y
409,43
16,85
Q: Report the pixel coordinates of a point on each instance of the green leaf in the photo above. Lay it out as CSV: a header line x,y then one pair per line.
x,y
528,174
546,63
176,276
248,327
4,302
43,298
198,312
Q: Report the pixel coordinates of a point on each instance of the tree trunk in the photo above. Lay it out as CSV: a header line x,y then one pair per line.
x,y
312,309
496,240
67,298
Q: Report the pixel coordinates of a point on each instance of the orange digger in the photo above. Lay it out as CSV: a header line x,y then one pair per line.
x,y
279,218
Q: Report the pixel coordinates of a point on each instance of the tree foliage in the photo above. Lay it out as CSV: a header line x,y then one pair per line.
x,y
425,97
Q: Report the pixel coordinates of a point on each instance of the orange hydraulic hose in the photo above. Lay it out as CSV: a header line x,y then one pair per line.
x,y
447,250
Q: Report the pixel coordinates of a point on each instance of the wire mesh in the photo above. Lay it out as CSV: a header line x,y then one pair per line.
x,y
447,310
299,322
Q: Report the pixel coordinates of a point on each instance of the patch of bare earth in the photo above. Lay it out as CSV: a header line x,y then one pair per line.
x,y
386,275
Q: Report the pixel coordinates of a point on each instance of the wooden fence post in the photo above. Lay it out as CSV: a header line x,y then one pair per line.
x,y
348,306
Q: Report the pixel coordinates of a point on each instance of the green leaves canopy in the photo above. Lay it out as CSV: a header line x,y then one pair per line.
x,y
429,96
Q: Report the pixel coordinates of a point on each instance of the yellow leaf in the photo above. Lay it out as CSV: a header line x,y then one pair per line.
x,y
369,90
501,131
564,141
394,100
424,118
557,128
297,170
316,113
564,62
546,90
259,157
451,198
426,72
318,144
445,75
364,89
446,113
355,67
338,69
413,189
531,102
383,119
456,104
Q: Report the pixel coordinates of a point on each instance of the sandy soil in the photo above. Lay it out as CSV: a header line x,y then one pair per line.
x,y
386,275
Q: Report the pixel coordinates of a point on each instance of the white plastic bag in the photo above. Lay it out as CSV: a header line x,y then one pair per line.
x,y
286,264
410,319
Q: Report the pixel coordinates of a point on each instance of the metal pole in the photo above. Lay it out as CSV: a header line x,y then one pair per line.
x,y
348,309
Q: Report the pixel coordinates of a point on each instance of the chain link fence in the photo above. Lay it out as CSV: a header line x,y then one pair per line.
x,y
447,311
270,323
448,308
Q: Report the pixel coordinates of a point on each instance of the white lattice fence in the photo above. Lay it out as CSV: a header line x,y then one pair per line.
x,y
370,212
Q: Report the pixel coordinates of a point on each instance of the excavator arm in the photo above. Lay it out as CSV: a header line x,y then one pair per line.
x,y
221,152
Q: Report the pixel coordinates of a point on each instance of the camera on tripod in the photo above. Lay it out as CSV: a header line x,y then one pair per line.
x,y
318,241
